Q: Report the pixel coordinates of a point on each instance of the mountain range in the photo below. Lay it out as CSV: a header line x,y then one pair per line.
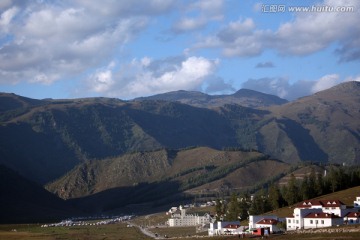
x,y
185,142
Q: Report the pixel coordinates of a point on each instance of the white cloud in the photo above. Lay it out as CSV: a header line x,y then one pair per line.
x,y
325,82
189,24
147,77
6,18
198,14
283,88
356,79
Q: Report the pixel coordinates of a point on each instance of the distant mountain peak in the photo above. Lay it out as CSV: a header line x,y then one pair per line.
x,y
344,89
347,86
244,97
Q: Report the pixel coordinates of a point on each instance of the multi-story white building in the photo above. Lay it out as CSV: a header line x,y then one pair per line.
x,y
180,219
297,221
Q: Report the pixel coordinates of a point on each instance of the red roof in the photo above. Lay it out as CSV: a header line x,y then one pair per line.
x,y
267,221
320,203
321,215
232,226
353,215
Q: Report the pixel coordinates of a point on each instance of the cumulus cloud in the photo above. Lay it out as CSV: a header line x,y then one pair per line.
x,y
283,88
144,77
307,33
45,42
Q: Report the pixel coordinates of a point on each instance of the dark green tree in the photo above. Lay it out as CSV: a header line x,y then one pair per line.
x,y
319,185
233,210
275,198
244,205
260,203
333,179
312,184
292,195
220,209
305,188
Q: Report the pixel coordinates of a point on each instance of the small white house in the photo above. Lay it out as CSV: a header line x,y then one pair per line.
x,y
253,219
222,228
352,218
268,223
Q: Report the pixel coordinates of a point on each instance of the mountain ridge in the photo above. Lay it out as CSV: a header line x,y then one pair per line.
x,y
244,97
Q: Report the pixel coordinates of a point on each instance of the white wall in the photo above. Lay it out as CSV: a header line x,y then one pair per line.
x,y
322,222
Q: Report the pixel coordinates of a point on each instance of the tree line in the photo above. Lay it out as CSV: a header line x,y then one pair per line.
x,y
272,197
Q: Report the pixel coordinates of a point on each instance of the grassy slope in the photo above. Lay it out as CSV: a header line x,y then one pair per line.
x,y
200,168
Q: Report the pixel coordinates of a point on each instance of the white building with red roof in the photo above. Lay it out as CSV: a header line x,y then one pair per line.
x,y
352,218
320,220
225,228
270,223
328,206
320,213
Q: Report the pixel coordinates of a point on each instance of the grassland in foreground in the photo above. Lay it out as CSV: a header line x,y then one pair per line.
x,y
120,231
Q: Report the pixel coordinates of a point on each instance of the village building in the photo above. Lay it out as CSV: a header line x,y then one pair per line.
x,y
357,202
179,218
255,219
225,228
322,213
297,220
352,218
268,223
320,220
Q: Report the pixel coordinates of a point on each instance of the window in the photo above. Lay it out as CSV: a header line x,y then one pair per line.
x,y
289,221
311,221
322,221
297,221
316,221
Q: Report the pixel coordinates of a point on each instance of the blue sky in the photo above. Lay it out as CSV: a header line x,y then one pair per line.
x,y
127,49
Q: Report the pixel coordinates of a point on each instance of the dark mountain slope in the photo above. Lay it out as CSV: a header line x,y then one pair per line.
x,y
330,118
56,136
11,102
23,201
176,125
